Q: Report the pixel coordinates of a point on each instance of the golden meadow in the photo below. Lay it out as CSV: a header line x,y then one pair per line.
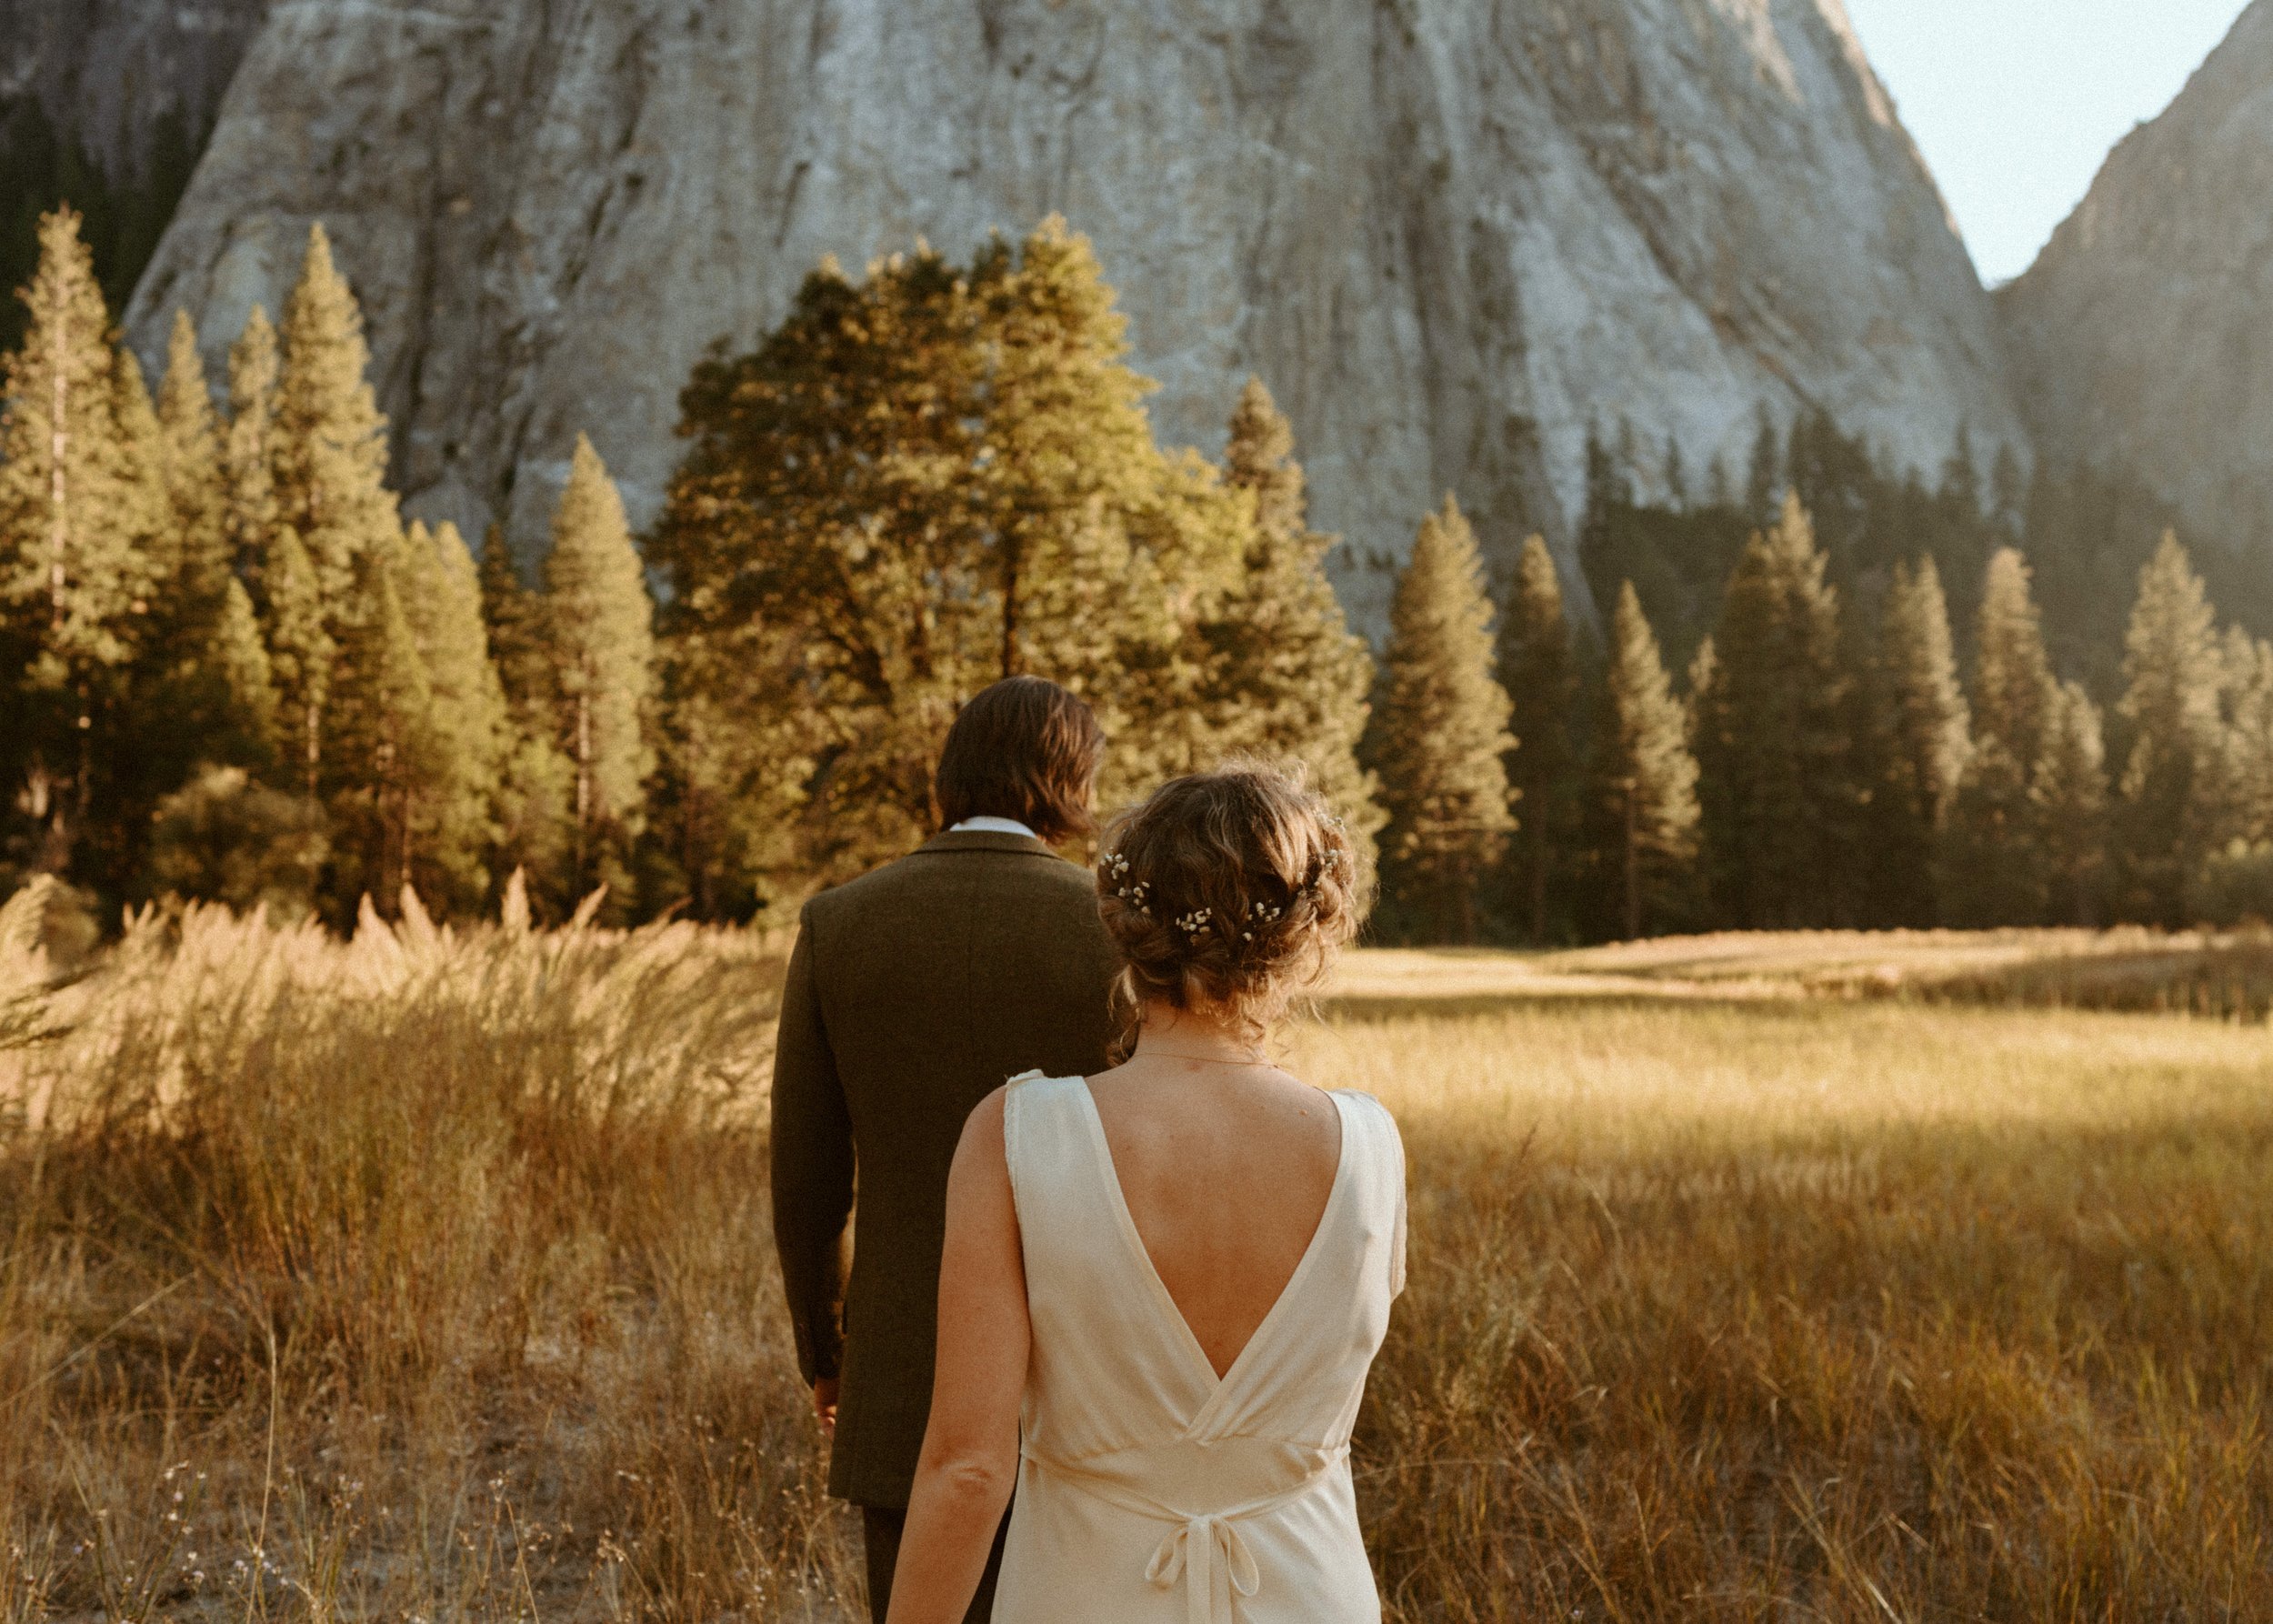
x,y
426,1277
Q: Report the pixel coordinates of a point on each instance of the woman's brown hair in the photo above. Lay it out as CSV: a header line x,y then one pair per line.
x,y
1026,748
1228,891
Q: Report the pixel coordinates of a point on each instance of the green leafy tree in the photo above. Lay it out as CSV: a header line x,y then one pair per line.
x,y
1919,741
1994,869
918,484
1642,779
1438,738
600,628
1287,677
77,543
2169,818
1776,771
1539,671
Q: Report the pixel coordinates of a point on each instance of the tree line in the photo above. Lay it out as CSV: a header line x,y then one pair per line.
x,y
233,671
1817,767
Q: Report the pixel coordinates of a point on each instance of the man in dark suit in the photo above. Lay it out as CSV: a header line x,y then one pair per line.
x,y
913,993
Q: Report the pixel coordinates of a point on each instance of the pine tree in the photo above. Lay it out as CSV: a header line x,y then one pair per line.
x,y
1994,867
1776,775
1438,737
1287,677
1920,739
215,702
387,756
2247,794
537,781
301,651
1642,777
466,720
251,516
2068,790
2169,818
75,541
1539,671
600,627
328,442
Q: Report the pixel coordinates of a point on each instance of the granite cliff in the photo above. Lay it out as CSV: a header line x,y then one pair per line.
x,y
2140,335
1450,234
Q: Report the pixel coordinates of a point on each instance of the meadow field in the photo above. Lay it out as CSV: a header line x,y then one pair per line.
x,y
426,1277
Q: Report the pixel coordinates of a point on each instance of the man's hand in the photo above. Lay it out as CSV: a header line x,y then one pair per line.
x,y
825,1404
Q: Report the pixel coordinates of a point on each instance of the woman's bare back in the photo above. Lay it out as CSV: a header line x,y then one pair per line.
x,y
1227,1170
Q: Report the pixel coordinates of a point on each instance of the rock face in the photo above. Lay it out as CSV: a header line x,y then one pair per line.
x,y
1449,234
2140,334
108,75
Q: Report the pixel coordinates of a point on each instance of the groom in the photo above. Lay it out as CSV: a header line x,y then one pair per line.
x,y
913,993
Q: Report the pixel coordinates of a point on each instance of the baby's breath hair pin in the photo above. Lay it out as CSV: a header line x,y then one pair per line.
x,y
1192,924
1259,913
1117,868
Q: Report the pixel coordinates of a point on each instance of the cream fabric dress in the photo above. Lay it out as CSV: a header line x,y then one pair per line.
x,y
1150,1492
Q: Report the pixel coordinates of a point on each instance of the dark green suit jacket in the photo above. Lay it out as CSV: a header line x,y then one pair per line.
x,y
913,992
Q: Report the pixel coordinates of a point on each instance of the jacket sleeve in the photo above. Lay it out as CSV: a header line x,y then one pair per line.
x,y
812,1170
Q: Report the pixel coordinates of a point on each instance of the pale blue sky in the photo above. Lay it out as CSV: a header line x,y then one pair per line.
x,y
2015,101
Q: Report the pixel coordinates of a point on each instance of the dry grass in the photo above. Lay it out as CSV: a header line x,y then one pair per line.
x,y
431,1274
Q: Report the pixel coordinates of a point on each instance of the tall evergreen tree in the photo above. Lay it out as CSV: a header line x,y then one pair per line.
x,y
537,782
1775,775
1539,670
301,650
75,542
2247,794
1642,779
328,443
1439,735
215,699
251,516
467,717
1287,677
1994,869
601,630
2169,816
1919,741
389,756
2069,789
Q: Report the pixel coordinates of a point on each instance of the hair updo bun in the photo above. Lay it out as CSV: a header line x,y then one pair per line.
x,y
1228,891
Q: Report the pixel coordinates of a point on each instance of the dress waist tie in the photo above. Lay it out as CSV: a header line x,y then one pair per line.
x,y
1205,1549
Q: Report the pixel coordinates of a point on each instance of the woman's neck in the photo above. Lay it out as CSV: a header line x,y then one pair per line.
x,y
1169,1033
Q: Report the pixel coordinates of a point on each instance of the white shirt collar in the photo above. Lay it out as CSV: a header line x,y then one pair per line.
x,y
992,826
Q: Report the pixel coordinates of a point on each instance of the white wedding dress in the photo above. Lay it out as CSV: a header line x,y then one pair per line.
x,y
1151,1492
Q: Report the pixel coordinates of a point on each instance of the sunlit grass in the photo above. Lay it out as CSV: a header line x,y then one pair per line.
x,y
432,1273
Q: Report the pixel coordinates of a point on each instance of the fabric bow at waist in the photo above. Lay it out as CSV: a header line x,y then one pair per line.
x,y
1205,1549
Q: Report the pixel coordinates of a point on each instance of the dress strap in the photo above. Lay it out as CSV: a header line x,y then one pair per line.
x,y
1205,1549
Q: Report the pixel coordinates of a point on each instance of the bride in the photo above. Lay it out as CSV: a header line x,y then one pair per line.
x,y
1162,1286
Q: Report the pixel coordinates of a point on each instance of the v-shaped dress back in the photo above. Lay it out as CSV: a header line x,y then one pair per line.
x,y
1151,1490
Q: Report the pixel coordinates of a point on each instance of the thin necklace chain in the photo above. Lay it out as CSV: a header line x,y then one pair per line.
x,y
1177,1054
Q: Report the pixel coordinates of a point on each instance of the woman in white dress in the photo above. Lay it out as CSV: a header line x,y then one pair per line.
x,y
1162,1286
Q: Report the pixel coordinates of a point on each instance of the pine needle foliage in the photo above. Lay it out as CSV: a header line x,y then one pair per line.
x,y
1642,780
1994,861
1286,678
1439,735
1919,741
599,635
77,544
1538,668
2169,818
1774,748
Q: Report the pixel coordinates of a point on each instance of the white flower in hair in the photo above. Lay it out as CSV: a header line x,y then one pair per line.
x,y
1192,924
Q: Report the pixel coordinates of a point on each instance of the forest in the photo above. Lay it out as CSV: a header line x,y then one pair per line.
x,y
1822,693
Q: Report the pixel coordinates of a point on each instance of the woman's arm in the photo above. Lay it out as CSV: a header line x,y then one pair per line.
x,y
970,1459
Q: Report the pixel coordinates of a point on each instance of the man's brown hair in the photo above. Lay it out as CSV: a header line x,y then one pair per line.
x,y
1025,748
